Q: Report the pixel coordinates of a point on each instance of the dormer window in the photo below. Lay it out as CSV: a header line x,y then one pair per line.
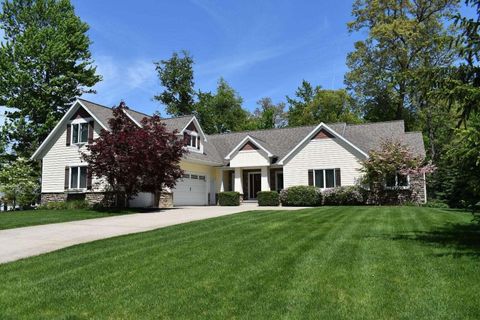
x,y
192,140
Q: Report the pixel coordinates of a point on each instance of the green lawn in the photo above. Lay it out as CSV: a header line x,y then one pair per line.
x,y
15,219
324,263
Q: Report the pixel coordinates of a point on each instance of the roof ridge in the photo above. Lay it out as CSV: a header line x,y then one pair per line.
x,y
373,123
258,130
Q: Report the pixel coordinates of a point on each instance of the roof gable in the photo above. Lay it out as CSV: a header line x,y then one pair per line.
x,y
248,139
76,106
327,131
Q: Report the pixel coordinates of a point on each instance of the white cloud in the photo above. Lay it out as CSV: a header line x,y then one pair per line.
x,y
121,78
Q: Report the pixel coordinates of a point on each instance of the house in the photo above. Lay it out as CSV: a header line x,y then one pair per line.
x,y
325,155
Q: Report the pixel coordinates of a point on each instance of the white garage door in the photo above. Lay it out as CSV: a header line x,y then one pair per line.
x,y
191,190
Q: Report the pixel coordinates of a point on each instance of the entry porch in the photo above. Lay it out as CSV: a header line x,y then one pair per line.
x,y
249,181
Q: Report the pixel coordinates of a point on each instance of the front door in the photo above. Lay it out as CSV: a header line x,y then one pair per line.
x,y
254,184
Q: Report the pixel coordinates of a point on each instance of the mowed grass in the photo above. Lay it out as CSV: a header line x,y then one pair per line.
x,y
323,263
16,219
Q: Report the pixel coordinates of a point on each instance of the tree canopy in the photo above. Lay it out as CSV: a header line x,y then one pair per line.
x,y
45,62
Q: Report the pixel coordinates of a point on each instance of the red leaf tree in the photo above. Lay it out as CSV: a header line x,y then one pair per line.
x,y
133,159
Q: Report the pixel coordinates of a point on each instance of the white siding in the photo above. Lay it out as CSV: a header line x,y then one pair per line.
x,y
58,156
250,158
322,154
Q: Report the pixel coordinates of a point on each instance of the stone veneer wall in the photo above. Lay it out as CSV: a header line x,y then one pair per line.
x,y
166,200
52,197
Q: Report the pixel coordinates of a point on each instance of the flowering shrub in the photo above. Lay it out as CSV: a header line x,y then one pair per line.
x,y
350,195
301,196
394,158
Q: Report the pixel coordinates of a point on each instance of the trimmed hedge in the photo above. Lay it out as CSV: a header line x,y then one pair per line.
x,y
268,198
229,198
343,196
301,196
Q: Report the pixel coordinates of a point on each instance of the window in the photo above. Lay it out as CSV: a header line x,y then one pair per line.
x,y
324,178
78,177
396,180
79,133
203,178
192,140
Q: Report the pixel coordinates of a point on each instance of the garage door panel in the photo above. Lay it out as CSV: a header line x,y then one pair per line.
x,y
190,190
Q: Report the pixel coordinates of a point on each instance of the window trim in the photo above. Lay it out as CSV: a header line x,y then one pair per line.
x,y
70,171
396,186
325,177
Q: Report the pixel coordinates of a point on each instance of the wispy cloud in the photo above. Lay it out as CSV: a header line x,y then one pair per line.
x,y
122,78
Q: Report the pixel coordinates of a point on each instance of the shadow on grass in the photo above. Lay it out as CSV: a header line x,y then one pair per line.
x,y
463,238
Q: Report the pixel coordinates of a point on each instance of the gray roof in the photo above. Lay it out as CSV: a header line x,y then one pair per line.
x,y
281,141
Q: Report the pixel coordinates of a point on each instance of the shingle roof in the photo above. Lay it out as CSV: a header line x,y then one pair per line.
x,y
281,141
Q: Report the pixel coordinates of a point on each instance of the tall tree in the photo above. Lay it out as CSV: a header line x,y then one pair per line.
x,y
176,76
314,105
45,62
221,112
269,115
405,38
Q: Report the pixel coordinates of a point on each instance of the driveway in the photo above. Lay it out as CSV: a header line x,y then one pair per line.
x,y
25,242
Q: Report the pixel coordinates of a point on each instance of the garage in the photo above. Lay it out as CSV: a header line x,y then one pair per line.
x,y
191,190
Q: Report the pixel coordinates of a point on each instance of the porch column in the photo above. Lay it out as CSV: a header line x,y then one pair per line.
x,y
265,179
222,181
238,186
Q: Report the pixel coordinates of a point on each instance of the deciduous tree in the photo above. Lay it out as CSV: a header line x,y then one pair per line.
x,y
19,183
133,159
176,76
313,105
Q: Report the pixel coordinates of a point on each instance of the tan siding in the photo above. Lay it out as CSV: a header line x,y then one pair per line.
x,y
58,157
322,154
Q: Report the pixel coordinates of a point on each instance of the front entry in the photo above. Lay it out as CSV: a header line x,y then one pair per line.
x,y
254,184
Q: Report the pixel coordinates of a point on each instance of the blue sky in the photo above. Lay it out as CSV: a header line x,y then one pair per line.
x,y
262,48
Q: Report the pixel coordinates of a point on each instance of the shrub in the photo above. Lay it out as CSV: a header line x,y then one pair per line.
x,y
350,195
268,198
66,205
303,196
229,198
435,203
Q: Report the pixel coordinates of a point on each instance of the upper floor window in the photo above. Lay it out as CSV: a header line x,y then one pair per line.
x,y
79,133
324,178
396,180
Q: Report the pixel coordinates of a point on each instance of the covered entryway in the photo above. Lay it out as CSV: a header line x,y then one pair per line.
x,y
191,190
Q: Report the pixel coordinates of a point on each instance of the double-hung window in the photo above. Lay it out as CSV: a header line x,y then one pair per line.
x,y
396,180
78,177
324,178
79,133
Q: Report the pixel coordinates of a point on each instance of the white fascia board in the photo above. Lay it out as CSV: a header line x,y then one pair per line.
x,y
197,124
131,118
248,138
66,116
312,133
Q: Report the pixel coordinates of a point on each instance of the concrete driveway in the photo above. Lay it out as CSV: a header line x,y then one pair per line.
x,y
25,242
